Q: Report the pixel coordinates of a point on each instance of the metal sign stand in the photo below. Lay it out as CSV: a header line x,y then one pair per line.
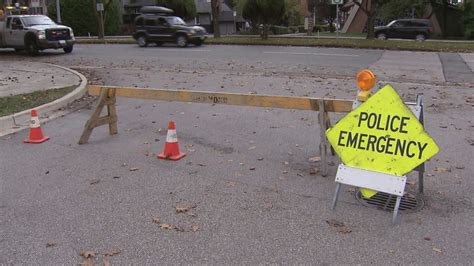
x,y
390,184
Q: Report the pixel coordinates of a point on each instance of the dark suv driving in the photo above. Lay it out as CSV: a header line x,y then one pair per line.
x,y
158,25
419,29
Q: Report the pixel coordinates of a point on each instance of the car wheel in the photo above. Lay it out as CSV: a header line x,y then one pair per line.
x,y
198,43
19,50
68,49
141,41
182,41
381,36
159,43
32,48
420,37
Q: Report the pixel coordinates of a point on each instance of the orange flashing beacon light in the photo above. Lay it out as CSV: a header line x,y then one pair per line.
x,y
365,81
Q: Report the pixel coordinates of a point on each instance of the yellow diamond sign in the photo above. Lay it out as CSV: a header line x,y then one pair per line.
x,y
382,135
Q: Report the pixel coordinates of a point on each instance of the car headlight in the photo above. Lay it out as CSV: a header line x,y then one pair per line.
x,y
192,31
41,34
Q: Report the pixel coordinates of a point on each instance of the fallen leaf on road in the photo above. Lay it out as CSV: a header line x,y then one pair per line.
x,y
427,238
87,254
252,148
441,170
156,220
314,159
134,169
96,181
195,227
179,228
260,158
112,252
252,168
313,171
166,226
50,244
459,167
340,227
182,209
231,184
286,163
299,174
201,164
437,250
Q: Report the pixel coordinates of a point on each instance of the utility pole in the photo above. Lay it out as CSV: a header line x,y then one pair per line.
x,y
58,11
100,9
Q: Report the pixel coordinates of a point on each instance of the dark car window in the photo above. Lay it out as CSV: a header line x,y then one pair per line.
x,y
139,22
162,22
150,22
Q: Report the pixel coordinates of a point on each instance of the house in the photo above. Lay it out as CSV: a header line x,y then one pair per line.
x,y
229,21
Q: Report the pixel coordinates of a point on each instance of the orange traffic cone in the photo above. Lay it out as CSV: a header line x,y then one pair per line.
x,y
171,150
36,134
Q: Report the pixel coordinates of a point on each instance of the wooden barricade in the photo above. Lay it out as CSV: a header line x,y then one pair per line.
x,y
107,97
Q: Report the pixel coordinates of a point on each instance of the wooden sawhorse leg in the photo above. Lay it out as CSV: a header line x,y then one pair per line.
x,y
107,97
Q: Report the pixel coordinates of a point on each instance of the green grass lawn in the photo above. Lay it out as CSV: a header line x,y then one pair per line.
x,y
350,43
409,45
13,104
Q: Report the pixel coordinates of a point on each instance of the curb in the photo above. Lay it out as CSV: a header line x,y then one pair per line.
x,y
19,121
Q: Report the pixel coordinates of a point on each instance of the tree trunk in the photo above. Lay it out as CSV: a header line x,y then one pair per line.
x,y
100,23
309,32
215,6
370,27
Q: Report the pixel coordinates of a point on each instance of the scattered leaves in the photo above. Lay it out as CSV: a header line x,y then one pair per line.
x,y
50,244
95,181
340,227
134,169
260,158
437,250
156,220
166,226
313,171
182,209
442,170
111,253
87,254
195,227
314,159
179,228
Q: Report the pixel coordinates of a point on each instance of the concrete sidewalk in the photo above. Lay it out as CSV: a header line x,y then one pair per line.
x,y
26,77
19,77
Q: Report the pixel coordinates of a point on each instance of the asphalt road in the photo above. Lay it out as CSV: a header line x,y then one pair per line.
x,y
247,173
